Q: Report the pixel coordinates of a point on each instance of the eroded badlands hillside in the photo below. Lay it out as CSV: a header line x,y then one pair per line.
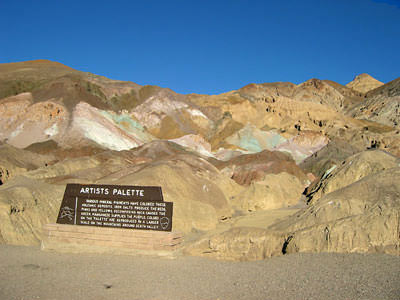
x,y
264,170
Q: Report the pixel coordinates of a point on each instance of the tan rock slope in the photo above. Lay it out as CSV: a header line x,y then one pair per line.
x,y
15,161
362,216
272,180
351,170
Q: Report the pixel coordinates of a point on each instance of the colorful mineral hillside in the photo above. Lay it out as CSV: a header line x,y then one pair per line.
x,y
275,167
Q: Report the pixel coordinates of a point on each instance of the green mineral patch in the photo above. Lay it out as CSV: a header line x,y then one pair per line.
x,y
124,121
129,125
249,142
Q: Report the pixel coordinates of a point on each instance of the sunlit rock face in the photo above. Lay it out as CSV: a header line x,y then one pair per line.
x,y
264,170
382,105
364,83
351,170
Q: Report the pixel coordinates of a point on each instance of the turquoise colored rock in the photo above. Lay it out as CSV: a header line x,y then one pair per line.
x,y
249,143
255,140
130,126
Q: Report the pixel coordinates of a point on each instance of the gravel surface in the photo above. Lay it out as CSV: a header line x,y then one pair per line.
x,y
28,273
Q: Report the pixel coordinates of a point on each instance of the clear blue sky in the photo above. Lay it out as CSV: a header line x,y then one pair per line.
x,y
207,46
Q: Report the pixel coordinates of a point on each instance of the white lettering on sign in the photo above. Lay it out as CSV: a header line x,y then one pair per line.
x,y
128,192
93,190
118,213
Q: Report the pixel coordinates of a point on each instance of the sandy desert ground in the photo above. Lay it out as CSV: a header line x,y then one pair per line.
x,y
28,273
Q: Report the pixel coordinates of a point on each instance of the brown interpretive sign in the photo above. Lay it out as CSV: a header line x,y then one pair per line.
x,y
130,207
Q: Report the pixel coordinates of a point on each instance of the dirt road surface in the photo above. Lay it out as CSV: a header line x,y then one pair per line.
x,y
28,273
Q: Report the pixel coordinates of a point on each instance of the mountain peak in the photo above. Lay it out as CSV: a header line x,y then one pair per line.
x,y
364,83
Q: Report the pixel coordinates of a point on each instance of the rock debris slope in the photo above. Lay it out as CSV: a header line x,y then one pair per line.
x,y
264,170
